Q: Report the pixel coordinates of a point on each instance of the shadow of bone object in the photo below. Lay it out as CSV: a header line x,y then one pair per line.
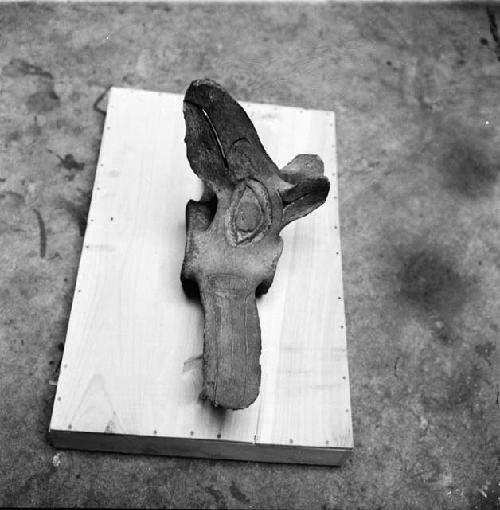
x,y
232,239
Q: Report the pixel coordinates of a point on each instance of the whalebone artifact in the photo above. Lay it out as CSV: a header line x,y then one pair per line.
x,y
232,239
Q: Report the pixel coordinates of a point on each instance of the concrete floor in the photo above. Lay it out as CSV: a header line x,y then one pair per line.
x,y
416,90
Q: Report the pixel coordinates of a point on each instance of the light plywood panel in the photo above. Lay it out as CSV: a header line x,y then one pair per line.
x,y
131,369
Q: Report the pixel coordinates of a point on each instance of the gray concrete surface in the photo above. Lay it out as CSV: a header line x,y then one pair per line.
x,y
417,94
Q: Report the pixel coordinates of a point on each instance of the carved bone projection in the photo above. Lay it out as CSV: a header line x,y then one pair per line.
x,y
233,242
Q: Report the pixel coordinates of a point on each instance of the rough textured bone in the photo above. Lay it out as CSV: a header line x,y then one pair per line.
x,y
233,242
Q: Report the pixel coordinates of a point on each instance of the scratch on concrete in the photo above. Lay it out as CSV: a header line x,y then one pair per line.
x,y
100,98
494,31
396,366
19,67
43,234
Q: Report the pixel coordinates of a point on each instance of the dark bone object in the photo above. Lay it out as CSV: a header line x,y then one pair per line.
x,y
233,242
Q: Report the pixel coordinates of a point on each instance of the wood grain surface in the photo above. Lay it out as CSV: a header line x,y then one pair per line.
x,y
132,359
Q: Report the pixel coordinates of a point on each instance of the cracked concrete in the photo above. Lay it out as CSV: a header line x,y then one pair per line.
x,y
416,92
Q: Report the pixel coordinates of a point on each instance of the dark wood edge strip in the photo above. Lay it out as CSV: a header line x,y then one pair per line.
x,y
201,448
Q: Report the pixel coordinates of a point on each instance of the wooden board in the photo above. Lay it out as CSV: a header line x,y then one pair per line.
x,y
131,369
